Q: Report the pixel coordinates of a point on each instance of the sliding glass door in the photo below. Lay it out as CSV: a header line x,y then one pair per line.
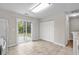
x,y
29,33
23,31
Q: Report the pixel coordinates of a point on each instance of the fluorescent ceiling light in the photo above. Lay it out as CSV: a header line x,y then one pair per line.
x,y
76,14
35,5
40,7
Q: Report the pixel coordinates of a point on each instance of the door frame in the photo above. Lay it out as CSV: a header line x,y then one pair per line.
x,y
67,26
26,27
67,29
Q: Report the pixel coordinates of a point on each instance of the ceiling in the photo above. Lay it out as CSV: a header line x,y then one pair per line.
x,y
17,7
53,10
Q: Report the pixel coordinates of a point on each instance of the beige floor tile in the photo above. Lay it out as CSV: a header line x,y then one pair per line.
x,y
39,48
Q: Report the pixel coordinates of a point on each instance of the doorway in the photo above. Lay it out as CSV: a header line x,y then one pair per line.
x,y
24,31
69,35
72,23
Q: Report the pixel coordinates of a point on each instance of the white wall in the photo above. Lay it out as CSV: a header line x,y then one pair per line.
x,y
11,17
60,29
47,30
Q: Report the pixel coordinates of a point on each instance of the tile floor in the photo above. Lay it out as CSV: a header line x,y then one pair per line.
x,y
39,48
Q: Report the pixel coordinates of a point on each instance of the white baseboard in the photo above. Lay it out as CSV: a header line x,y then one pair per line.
x,y
12,45
59,44
41,39
55,43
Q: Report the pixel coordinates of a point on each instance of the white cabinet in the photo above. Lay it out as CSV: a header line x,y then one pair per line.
x,y
4,34
74,24
47,30
44,30
75,43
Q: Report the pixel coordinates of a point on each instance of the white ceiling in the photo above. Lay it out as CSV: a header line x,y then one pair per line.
x,y
16,7
23,8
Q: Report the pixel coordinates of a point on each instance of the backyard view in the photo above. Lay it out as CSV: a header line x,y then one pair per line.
x,y
24,31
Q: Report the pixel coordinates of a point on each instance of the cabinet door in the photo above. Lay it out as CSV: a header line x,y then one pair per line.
x,y
47,30
2,27
74,24
51,29
44,30
3,34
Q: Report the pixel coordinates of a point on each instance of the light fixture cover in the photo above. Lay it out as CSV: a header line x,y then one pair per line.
x,y
40,7
75,14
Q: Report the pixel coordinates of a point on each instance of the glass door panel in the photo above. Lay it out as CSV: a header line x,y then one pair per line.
x,y
24,31
20,34
29,30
